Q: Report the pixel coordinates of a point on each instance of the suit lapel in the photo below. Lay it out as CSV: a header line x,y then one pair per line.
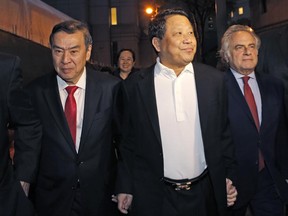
x,y
202,96
266,109
238,96
92,93
147,92
51,95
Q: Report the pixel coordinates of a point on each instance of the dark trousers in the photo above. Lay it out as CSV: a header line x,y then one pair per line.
x,y
198,201
266,201
77,207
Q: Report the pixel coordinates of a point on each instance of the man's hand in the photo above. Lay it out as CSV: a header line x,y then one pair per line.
x,y
25,186
124,201
231,192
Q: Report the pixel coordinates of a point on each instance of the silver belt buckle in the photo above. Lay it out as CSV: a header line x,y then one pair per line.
x,y
186,186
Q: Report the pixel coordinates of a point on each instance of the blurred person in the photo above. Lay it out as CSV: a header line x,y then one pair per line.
x,y
76,105
273,56
126,61
16,114
176,157
258,125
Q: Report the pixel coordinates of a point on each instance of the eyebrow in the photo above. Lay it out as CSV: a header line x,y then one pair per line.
x,y
244,44
57,47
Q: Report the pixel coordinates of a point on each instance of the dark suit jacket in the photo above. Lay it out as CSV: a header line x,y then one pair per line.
x,y
272,138
141,168
60,165
273,56
16,111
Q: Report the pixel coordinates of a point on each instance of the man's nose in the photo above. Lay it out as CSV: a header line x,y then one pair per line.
x,y
187,38
247,50
66,57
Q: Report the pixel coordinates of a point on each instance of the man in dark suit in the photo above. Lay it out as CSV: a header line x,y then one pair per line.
x,y
258,125
16,112
176,157
77,160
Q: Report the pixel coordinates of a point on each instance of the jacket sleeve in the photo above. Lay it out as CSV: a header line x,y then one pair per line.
x,y
27,137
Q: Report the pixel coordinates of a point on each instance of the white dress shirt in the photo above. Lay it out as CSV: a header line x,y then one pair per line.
x,y
254,88
79,96
181,136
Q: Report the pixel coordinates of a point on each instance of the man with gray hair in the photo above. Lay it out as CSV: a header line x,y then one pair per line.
x,y
77,109
258,124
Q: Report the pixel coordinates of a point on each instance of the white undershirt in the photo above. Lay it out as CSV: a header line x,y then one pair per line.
x,y
254,88
179,122
79,96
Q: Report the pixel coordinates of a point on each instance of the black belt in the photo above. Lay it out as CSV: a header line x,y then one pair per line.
x,y
184,184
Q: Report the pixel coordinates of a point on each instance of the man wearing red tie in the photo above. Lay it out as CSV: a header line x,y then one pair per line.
x,y
258,124
77,108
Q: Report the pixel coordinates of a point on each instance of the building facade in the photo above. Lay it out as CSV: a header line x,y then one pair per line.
x,y
117,24
114,25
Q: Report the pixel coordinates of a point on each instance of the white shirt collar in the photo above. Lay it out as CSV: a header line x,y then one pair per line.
x,y
81,82
239,76
161,69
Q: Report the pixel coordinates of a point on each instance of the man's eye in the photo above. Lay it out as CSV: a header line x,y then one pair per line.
x,y
57,51
178,33
74,51
239,47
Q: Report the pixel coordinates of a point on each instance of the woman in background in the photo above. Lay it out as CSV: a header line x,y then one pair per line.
x,y
126,62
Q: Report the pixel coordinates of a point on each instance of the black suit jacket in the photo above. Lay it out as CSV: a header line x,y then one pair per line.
x,y
273,56
60,166
141,168
272,138
16,111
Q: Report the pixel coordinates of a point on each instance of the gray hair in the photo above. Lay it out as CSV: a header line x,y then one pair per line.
x,y
224,52
70,27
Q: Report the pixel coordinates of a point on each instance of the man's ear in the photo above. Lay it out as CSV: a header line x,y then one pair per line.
x,y
156,43
88,52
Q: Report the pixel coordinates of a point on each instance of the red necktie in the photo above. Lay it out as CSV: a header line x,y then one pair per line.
x,y
71,110
253,109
